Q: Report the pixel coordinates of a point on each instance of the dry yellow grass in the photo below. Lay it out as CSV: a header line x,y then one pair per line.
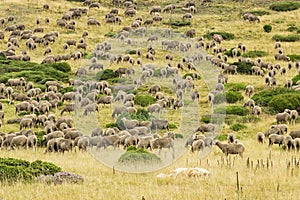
x,y
279,179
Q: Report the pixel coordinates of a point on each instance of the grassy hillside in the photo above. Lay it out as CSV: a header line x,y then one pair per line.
x,y
264,173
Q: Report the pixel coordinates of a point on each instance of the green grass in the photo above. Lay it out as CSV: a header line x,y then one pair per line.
x,y
284,6
286,38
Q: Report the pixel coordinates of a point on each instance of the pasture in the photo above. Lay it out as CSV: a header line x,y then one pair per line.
x,y
262,173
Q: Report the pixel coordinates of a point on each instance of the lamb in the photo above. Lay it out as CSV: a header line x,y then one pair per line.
x,y
231,148
205,128
260,137
282,117
275,139
18,141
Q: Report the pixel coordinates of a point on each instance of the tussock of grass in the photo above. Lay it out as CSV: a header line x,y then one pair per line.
x,y
255,54
286,38
225,35
136,155
284,6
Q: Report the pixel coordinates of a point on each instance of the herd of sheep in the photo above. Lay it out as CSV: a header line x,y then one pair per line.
x,y
62,136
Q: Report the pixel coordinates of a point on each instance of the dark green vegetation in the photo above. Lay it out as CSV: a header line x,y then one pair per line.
x,y
105,75
277,100
229,97
225,35
292,28
232,110
175,24
37,73
255,54
285,6
294,57
259,12
244,67
235,86
39,135
237,127
12,169
137,155
286,38
144,100
267,28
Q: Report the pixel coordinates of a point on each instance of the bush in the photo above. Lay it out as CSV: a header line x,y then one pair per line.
x,y
172,126
267,28
286,38
229,52
105,75
110,34
259,12
244,67
144,100
175,24
222,137
60,66
233,97
66,89
262,98
225,35
296,79
294,57
235,86
111,125
232,110
284,101
237,127
292,28
141,115
134,155
284,6
12,169
254,54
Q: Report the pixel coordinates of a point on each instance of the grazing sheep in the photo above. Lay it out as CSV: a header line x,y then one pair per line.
x,y
18,141
231,148
295,134
293,115
93,107
288,142
145,142
197,145
249,103
105,100
231,138
130,124
26,123
297,144
111,140
31,141
72,134
249,90
260,137
158,124
275,139
154,108
205,128
282,117
7,139
256,111
166,141
64,144
55,134
283,128
83,143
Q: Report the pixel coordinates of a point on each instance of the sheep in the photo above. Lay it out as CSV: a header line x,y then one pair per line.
x,y
111,140
288,142
26,122
275,139
130,124
158,124
178,104
295,134
154,108
97,132
296,144
145,142
51,145
256,111
260,137
249,103
68,108
105,100
231,138
197,145
83,143
293,115
93,107
166,141
154,88
205,128
54,134
249,90
7,140
31,141
18,141
283,128
282,117
231,148
64,144
72,135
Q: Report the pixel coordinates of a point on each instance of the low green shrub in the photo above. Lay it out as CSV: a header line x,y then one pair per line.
x,y
12,170
244,67
237,127
294,57
105,75
141,115
138,155
292,28
66,89
39,135
284,101
110,34
232,110
178,23
222,137
111,125
172,126
267,28
259,12
225,35
233,97
286,38
255,54
235,86
284,6
144,100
